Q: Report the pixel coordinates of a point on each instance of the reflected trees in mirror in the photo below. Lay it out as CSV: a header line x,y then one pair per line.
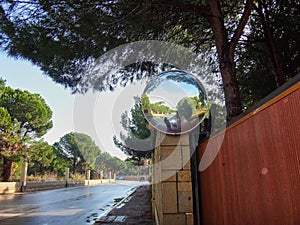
x,y
174,102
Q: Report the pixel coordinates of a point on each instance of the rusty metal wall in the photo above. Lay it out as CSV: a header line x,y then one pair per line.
x,y
255,178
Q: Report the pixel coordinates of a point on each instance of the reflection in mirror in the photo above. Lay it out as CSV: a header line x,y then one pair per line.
x,y
174,102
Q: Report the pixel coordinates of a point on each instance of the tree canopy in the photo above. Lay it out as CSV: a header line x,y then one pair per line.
x,y
80,153
24,119
65,37
78,150
270,53
105,162
43,159
137,141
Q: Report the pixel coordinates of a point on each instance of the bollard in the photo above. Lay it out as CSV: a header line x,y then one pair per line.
x,y
23,176
67,175
88,176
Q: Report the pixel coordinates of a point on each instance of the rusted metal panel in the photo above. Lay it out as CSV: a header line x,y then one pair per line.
x,y
255,178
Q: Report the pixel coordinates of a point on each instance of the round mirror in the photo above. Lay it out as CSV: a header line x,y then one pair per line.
x,y
174,102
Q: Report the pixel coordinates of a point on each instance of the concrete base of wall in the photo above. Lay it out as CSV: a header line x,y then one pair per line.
x,y
12,187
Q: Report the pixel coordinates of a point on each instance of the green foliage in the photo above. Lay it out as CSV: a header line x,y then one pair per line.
x,y
105,162
130,170
134,166
138,124
60,37
137,140
31,114
102,161
78,150
186,107
59,163
25,118
273,28
5,120
42,159
146,103
65,37
161,108
157,107
116,164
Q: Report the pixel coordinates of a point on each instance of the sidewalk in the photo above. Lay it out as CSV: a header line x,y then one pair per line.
x,y
135,209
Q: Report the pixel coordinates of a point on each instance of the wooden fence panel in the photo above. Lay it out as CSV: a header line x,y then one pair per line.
x,y
255,178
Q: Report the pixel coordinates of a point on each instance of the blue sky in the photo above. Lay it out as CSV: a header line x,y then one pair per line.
x,y
90,114
172,92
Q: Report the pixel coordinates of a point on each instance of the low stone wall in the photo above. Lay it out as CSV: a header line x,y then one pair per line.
x,y
9,187
97,182
12,187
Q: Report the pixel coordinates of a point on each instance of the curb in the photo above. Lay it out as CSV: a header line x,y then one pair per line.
x,y
126,198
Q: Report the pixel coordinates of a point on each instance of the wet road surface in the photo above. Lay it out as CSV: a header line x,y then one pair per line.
x,y
68,206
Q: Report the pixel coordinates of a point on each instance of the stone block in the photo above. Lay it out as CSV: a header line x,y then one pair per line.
x,y
169,197
167,151
169,175
189,218
186,156
173,140
184,175
187,166
156,173
156,154
184,139
174,219
169,140
171,158
184,186
185,201
159,137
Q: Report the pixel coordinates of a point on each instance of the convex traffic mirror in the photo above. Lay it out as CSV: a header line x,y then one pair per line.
x,y
174,102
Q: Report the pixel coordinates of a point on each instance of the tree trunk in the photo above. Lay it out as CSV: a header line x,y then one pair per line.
x,y
231,89
225,51
7,169
272,45
74,166
276,61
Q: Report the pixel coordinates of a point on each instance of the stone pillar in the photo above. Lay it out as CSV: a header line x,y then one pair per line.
x,y
172,184
24,176
67,176
88,176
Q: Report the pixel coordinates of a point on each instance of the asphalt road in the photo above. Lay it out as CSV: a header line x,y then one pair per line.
x,y
68,206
